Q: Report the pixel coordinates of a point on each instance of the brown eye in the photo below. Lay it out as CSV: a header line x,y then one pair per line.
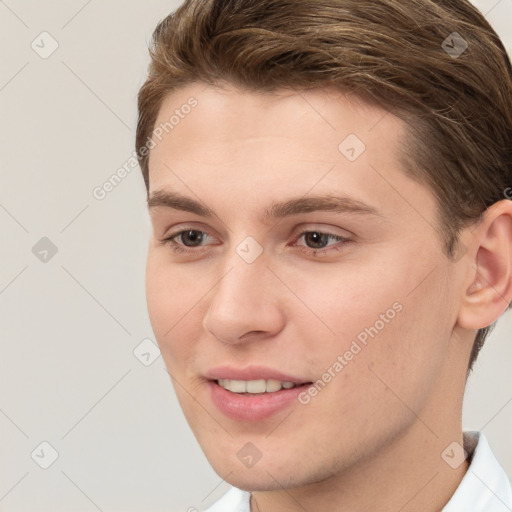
x,y
193,236
316,243
316,240
188,241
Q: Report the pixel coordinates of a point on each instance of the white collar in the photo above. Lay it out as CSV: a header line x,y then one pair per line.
x,y
484,488
235,500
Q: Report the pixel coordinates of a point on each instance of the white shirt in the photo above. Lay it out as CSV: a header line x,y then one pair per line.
x,y
484,488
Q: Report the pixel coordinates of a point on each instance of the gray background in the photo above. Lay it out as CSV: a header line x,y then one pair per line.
x,y
68,374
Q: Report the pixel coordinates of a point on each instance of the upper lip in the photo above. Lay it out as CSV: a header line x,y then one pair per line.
x,y
251,373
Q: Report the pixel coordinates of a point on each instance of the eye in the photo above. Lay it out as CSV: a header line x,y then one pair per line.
x,y
317,241
186,238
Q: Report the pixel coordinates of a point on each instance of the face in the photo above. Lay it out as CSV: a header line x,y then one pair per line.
x,y
289,248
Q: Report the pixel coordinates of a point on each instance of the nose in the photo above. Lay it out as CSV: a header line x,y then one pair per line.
x,y
244,305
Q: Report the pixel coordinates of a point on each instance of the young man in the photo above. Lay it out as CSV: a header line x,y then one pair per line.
x,y
328,183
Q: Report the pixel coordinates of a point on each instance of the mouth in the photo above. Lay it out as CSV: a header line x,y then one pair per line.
x,y
256,399
256,387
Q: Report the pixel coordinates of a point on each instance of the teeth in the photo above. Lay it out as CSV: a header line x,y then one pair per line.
x,y
238,386
254,386
273,385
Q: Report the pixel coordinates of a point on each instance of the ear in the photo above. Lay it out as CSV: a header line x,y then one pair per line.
x,y
487,291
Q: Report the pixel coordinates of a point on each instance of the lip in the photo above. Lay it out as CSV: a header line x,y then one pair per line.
x,y
246,407
252,407
251,373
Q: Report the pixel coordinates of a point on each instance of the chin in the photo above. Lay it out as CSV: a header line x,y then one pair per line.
x,y
260,480
266,474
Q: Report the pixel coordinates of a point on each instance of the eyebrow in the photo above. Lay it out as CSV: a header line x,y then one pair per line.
x,y
294,206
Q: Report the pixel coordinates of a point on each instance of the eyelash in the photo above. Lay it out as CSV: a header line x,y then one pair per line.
x,y
180,249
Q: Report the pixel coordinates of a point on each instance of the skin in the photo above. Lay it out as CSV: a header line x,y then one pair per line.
x,y
373,437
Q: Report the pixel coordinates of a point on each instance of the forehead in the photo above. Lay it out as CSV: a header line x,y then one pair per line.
x,y
231,112
254,146
304,126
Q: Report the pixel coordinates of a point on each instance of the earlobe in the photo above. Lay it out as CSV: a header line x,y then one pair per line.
x,y
489,291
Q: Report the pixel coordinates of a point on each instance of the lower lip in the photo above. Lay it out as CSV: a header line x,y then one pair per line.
x,y
246,407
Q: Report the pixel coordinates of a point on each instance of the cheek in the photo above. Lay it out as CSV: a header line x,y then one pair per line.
x,y
378,317
340,302
380,356
172,297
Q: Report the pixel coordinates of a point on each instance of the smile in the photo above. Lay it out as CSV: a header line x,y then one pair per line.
x,y
255,386
250,401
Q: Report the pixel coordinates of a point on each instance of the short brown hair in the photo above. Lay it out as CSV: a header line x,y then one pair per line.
x,y
436,64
